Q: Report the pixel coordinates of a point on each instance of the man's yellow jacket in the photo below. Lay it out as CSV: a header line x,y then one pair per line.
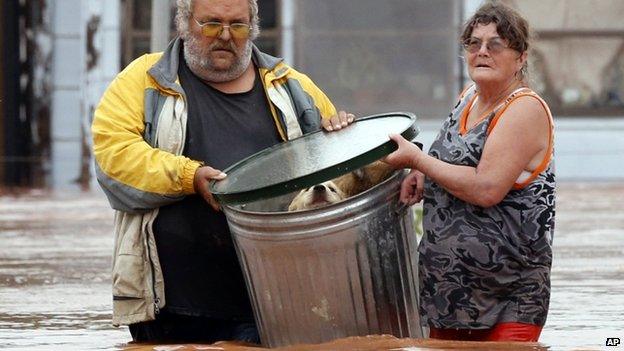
x,y
139,131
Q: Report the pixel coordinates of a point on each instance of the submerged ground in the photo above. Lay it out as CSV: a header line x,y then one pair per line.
x,y
55,252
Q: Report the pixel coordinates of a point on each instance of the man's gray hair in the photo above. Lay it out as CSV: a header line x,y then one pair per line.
x,y
183,16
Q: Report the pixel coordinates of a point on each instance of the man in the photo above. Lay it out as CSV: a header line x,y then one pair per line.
x,y
166,126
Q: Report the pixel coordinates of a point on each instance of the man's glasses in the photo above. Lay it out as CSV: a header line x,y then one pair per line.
x,y
494,46
215,29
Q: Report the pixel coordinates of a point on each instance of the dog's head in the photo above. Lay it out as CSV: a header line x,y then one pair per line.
x,y
316,196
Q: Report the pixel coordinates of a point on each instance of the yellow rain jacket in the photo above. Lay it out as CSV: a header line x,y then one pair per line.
x,y
139,131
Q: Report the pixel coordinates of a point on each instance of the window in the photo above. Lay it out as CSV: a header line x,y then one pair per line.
x,y
378,56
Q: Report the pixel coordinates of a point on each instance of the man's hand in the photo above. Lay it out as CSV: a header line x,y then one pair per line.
x,y
337,121
203,175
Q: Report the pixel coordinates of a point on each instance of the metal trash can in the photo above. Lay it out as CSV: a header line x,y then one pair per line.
x,y
347,269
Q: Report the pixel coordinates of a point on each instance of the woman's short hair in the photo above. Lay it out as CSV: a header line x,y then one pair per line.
x,y
510,25
185,8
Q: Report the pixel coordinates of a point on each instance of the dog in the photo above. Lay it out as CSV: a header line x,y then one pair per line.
x,y
341,188
317,196
364,178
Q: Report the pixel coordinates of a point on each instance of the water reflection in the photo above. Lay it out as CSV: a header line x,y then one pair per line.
x,y
366,343
54,274
55,269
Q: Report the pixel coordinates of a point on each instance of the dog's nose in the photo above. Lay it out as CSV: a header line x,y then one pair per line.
x,y
319,188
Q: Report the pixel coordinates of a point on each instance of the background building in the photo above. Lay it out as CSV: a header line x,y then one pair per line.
x,y
58,56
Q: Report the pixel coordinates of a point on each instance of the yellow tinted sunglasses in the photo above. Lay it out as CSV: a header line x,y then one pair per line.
x,y
215,29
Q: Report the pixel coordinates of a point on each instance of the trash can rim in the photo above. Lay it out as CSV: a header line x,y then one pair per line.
x,y
317,177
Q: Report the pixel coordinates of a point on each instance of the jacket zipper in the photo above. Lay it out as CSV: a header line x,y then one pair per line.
x,y
149,255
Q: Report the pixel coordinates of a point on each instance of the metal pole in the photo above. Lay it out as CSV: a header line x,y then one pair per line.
x,y
461,81
287,41
161,19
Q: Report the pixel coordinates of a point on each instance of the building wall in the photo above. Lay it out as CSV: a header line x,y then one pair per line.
x,y
85,59
579,53
375,56
369,56
67,67
577,56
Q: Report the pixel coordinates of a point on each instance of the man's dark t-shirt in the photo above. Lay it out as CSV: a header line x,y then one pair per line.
x,y
201,271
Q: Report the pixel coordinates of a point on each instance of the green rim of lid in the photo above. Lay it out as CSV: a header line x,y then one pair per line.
x,y
317,177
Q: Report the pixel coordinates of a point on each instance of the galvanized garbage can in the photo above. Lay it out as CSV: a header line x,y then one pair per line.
x,y
347,269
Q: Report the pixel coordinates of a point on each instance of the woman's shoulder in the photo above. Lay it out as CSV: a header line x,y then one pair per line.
x,y
524,109
528,102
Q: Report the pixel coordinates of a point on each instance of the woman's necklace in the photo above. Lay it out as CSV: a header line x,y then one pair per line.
x,y
482,109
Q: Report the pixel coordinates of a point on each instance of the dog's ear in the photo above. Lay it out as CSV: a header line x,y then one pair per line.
x,y
359,173
377,172
293,204
292,207
296,201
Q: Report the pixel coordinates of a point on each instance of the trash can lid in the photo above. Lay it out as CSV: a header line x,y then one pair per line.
x,y
312,158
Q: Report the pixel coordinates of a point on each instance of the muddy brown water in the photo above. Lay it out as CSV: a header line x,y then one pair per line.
x,y
55,252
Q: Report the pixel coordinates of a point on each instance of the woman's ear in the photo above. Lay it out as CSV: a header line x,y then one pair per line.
x,y
522,59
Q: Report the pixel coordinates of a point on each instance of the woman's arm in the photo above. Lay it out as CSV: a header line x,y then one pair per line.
x,y
518,143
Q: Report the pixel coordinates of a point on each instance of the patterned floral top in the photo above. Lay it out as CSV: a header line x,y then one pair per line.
x,y
482,266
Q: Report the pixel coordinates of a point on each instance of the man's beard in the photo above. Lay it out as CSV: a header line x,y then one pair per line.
x,y
198,59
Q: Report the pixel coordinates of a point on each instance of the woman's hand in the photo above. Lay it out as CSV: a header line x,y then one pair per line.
x,y
406,156
337,121
412,188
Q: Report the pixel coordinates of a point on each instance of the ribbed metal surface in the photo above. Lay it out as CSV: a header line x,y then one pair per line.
x,y
344,270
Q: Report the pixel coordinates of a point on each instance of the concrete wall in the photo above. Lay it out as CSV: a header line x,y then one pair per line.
x,y
67,69
589,148
586,149
84,61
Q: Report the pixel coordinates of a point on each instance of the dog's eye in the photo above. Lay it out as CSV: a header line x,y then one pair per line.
x,y
332,189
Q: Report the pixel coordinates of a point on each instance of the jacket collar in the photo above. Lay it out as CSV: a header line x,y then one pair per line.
x,y
165,71
268,62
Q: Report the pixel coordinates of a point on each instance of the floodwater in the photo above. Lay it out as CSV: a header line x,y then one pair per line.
x,y
55,267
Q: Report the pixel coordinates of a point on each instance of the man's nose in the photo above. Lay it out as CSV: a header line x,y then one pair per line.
x,y
225,33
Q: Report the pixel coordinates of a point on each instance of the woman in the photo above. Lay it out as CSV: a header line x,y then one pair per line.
x,y
486,254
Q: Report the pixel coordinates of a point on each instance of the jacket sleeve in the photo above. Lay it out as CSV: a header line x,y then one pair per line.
x,y
135,176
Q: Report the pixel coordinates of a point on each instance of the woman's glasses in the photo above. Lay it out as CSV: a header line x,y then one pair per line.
x,y
215,29
494,46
